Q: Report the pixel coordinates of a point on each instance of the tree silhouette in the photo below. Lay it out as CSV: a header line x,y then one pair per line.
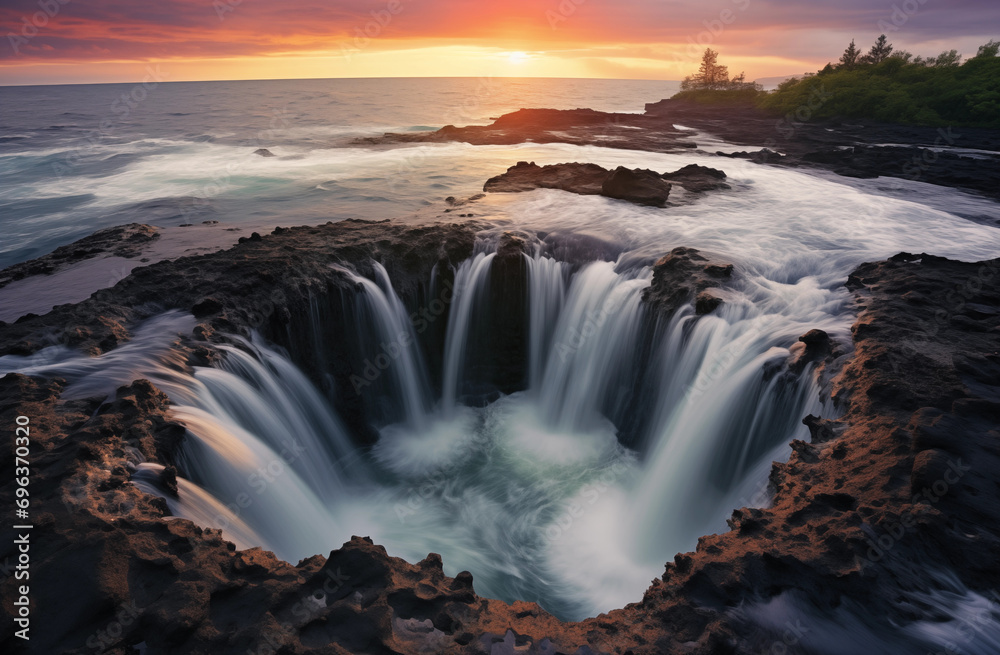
x,y
713,75
850,57
879,52
710,75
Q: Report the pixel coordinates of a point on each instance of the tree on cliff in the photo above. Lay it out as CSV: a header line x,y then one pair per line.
x,y
710,75
878,52
714,76
850,57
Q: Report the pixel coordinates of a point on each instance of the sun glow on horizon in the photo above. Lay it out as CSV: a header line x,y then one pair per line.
x,y
406,59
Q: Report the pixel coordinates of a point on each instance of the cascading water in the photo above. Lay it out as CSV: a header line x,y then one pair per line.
x,y
380,310
718,415
547,278
592,346
533,492
470,281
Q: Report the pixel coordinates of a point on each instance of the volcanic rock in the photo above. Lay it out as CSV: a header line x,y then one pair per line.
x,y
120,241
585,179
640,186
860,148
643,187
912,455
687,275
698,179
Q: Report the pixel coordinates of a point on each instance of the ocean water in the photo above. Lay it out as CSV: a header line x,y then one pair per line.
x,y
77,158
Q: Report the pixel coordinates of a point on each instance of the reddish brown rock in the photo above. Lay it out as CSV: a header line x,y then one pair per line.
x,y
915,446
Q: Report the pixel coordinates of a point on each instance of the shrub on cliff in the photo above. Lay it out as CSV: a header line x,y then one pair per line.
x,y
900,88
711,85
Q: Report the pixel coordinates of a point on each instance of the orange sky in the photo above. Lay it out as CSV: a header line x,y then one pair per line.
x,y
65,41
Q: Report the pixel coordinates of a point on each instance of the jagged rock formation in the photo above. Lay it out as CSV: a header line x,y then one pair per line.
x,y
861,515
855,149
640,186
687,274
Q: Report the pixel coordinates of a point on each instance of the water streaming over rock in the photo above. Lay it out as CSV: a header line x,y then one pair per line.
x,y
393,349
471,279
546,295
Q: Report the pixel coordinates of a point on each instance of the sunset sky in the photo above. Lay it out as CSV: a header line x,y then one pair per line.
x,y
86,41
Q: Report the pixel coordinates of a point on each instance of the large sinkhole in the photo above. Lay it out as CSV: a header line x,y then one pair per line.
x,y
538,421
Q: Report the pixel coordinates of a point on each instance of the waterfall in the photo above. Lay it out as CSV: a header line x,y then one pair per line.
x,y
547,280
197,505
718,415
593,341
471,280
263,450
532,492
382,313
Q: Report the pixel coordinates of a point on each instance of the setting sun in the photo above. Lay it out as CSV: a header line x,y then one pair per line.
x,y
517,57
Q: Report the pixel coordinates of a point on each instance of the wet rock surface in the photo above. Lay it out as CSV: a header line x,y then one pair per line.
x,y
914,446
121,241
574,126
698,179
639,186
687,274
585,179
963,158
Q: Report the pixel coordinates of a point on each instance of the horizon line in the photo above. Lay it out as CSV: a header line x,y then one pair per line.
x,y
376,77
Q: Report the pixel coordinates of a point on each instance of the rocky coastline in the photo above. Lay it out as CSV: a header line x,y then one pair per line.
x,y
961,158
914,445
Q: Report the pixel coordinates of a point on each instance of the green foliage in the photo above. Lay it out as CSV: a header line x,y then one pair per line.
x,y
989,49
935,91
726,97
